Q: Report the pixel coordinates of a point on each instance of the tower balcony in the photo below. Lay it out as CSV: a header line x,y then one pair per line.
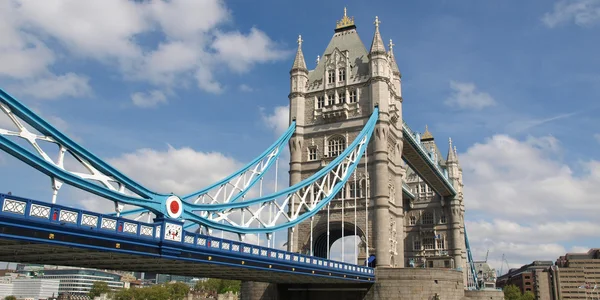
x,y
338,111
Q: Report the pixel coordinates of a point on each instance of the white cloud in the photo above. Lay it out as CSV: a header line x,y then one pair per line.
x,y
278,120
246,88
522,125
524,179
193,41
466,96
51,87
585,13
179,171
528,204
207,82
258,48
22,54
150,99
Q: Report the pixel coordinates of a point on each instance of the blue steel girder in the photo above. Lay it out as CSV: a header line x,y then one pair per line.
x,y
471,268
420,161
102,179
87,239
107,182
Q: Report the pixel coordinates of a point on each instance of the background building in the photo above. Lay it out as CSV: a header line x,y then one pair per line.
x,y
526,277
35,288
577,275
80,281
573,276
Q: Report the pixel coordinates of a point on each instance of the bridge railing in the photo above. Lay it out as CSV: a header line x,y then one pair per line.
x,y
48,213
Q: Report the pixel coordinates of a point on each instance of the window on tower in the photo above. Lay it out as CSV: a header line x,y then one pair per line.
x,y
340,194
428,243
443,218
413,220
440,243
355,189
417,245
331,76
330,99
335,146
352,96
312,153
320,101
427,218
342,74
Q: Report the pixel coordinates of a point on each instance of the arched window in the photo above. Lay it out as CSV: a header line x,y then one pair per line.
x,y
335,146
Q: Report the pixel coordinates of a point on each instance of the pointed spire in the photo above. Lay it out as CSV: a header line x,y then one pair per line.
x,y
377,45
318,59
393,59
451,152
299,62
426,135
456,154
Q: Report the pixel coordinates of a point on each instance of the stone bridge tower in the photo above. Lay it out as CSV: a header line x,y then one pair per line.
x,y
330,105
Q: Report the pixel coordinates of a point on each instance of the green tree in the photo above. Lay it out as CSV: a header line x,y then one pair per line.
x,y
209,285
99,288
178,290
155,292
124,294
229,286
512,292
528,296
10,298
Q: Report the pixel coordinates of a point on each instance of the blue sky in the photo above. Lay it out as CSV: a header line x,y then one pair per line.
x,y
169,90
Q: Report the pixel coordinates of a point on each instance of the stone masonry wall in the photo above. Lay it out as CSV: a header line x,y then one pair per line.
x,y
484,295
416,284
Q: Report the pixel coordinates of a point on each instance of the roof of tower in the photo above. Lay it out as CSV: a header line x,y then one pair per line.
x,y
299,62
344,39
377,44
393,62
426,135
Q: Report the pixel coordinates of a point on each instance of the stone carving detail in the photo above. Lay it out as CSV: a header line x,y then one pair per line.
x,y
392,192
393,239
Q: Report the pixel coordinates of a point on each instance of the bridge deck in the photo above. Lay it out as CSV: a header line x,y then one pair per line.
x,y
36,232
422,164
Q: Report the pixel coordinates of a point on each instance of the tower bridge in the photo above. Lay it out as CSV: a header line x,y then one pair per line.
x,y
356,169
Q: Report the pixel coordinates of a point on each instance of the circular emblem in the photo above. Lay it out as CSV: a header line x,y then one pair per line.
x,y
174,207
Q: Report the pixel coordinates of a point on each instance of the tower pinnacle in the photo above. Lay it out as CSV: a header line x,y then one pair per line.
x,y
377,45
344,23
427,136
299,62
393,62
451,152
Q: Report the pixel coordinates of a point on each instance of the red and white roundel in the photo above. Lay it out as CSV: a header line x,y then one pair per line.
x,y
174,207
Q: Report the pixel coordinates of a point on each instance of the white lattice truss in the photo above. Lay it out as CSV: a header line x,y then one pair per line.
x,y
94,174
304,200
237,185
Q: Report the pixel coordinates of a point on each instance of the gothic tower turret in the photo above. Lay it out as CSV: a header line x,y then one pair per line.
x,y
331,103
298,82
457,248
